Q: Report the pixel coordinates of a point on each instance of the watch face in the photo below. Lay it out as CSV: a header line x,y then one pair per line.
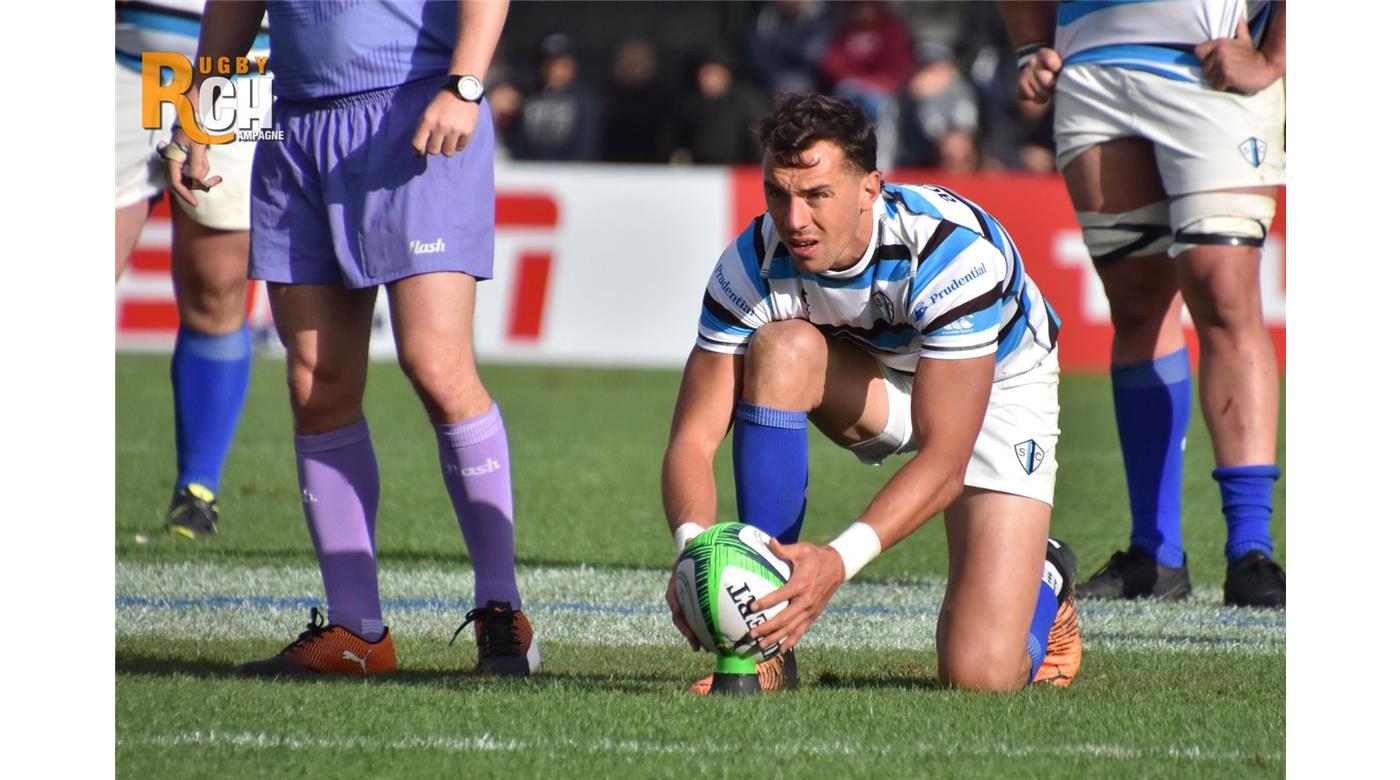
x,y
469,87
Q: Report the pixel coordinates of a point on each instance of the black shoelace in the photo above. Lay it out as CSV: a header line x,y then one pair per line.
x,y
498,630
315,628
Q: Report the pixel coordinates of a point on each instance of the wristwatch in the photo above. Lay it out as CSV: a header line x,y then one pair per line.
x,y
468,88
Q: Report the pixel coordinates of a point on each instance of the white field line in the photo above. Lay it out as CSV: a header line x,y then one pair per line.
x,y
623,607
487,742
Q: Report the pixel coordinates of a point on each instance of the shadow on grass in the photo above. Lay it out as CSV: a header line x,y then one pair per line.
x,y
910,681
136,664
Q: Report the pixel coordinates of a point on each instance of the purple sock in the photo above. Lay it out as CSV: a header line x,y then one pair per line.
x,y
340,495
476,468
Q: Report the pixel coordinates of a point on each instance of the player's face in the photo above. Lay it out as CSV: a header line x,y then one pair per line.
x,y
822,212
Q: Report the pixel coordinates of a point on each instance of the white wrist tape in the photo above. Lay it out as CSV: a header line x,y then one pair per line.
x,y
685,533
857,546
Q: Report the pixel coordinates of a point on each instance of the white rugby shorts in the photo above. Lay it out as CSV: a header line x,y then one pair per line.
x,y
1014,452
141,173
1205,139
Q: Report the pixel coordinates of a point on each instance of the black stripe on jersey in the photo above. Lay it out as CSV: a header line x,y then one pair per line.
x,y
725,344
976,212
160,9
892,252
945,228
721,313
758,249
1054,327
1020,313
861,337
983,345
976,304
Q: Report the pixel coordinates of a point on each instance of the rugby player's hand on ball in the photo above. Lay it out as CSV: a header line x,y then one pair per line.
x,y
446,127
816,574
677,615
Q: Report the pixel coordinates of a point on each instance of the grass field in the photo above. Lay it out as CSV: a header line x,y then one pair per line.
x,y
1190,689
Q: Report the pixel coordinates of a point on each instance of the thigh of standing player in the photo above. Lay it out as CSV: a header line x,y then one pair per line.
x,y
1223,176
1113,182
209,253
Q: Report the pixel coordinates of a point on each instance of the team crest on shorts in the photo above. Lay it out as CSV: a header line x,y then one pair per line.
x,y
1254,150
1030,454
884,306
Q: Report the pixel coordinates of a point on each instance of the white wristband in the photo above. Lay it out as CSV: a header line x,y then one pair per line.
x,y
857,546
685,533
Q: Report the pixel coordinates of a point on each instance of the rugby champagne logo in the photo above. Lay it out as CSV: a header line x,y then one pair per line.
x,y
235,98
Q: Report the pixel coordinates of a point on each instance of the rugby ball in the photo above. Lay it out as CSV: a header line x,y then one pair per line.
x,y
719,576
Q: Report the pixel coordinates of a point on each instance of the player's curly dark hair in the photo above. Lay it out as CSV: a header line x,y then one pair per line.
x,y
801,120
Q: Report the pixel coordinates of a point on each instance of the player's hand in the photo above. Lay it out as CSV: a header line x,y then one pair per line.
x,y
446,127
1234,65
816,574
678,616
1038,77
191,173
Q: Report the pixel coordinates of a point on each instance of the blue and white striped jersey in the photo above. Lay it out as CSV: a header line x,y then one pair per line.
x,y
940,279
1158,36
166,25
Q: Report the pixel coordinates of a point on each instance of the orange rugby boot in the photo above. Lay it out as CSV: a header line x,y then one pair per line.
x,y
328,649
505,642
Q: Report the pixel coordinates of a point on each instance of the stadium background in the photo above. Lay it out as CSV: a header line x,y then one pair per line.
x,y
562,221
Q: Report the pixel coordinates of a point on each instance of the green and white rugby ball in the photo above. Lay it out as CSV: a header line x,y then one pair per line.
x,y
718,577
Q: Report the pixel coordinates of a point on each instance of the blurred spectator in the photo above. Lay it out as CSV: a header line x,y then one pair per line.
x,y
870,59
505,98
1037,136
561,120
787,42
716,121
939,117
638,121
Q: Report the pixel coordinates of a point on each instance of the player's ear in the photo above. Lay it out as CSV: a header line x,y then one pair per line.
x,y
870,185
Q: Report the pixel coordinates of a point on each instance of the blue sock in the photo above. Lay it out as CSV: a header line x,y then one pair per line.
x,y
1152,401
1247,496
770,469
209,375
1047,605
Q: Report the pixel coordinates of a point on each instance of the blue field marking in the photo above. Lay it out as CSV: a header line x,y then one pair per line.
x,y
624,607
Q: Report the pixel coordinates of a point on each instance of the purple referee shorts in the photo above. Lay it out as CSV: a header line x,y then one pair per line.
x,y
342,200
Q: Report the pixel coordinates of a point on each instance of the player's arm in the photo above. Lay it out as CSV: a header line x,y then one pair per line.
x,y
1235,65
949,404
226,29
1031,25
448,122
704,408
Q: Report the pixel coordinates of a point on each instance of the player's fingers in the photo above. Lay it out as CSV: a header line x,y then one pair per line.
x,y
1242,30
462,141
449,143
178,187
210,183
786,593
1204,50
420,139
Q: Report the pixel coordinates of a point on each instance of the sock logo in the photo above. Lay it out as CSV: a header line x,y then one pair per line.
x,y
423,248
346,655
489,466
307,497
1030,454
1051,576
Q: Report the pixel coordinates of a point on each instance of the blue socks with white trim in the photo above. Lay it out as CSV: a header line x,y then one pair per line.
x,y
770,469
1152,401
209,376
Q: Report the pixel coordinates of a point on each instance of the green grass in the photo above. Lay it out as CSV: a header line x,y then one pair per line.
x,y
1194,689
